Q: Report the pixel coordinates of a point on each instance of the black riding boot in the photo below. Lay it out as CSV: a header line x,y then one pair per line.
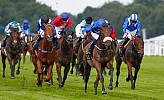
x,y
55,43
4,41
77,44
36,43
90,50
122,47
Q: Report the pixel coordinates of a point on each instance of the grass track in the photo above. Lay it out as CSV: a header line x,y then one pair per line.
x,y
149,84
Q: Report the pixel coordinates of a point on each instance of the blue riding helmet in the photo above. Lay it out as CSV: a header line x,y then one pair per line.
x,y
25,21
133,17
64,16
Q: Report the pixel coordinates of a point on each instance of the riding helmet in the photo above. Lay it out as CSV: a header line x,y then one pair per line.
x,y
44,19
88,20
14,24
64,16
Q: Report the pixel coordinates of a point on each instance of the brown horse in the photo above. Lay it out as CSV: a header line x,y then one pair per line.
x,y
133,57
46,55
64,55
25,41
103,56
12,52
79,55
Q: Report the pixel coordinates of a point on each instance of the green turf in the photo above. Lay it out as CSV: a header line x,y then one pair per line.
x,y
149,84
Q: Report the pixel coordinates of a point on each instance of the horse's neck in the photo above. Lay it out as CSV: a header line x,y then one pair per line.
x,y
46,45
64,46
100,44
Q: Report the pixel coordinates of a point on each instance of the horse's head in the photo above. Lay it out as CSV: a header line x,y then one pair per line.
x,y
138,45
49,30
15,37
105,35
67,34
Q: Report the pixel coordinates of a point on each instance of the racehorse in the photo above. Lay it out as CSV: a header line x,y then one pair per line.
x,y
132,57
46,55
25,41
12,52
64,55
103,56
79,55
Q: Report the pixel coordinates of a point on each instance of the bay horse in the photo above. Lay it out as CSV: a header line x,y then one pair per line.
x,y
13,52
64,55
132,57
103,56
25,41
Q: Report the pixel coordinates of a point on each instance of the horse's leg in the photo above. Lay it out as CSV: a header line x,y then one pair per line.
x,y
118,65
131,75
128,78
4,63
96,83
66,70
87,69
49,74
73,63
39,72
135,75
99,71
58,70
19,60
110,65
104,71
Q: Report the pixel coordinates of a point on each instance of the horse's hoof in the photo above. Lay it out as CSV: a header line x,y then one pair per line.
x,y
17,72
71,72
110,87
104,92
127,79
39,85
132,87
34,71
3,76
12,77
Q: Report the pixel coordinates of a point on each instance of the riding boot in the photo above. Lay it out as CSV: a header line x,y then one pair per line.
x,y
77,44
121,49
55,43
90,50
36,43
4,41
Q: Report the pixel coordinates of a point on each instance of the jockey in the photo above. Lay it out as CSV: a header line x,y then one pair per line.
x,y
95,34
131,27
25,28
61,22
12,26
41,23
79,28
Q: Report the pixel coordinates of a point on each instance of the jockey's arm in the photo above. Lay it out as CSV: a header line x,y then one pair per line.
x,y
125,25
138,28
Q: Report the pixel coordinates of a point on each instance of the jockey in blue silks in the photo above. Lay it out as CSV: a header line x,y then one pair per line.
x,y
25,28
79,28
41,23
131,27
95,34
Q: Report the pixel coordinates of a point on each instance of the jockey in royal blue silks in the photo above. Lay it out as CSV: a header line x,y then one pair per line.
x,y
79,28
131,27
41,23
95,34
25,28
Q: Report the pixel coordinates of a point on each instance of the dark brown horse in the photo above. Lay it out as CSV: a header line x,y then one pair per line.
x,y
46,55
64,55
13,52
103,56
133,57
25,41
79,55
